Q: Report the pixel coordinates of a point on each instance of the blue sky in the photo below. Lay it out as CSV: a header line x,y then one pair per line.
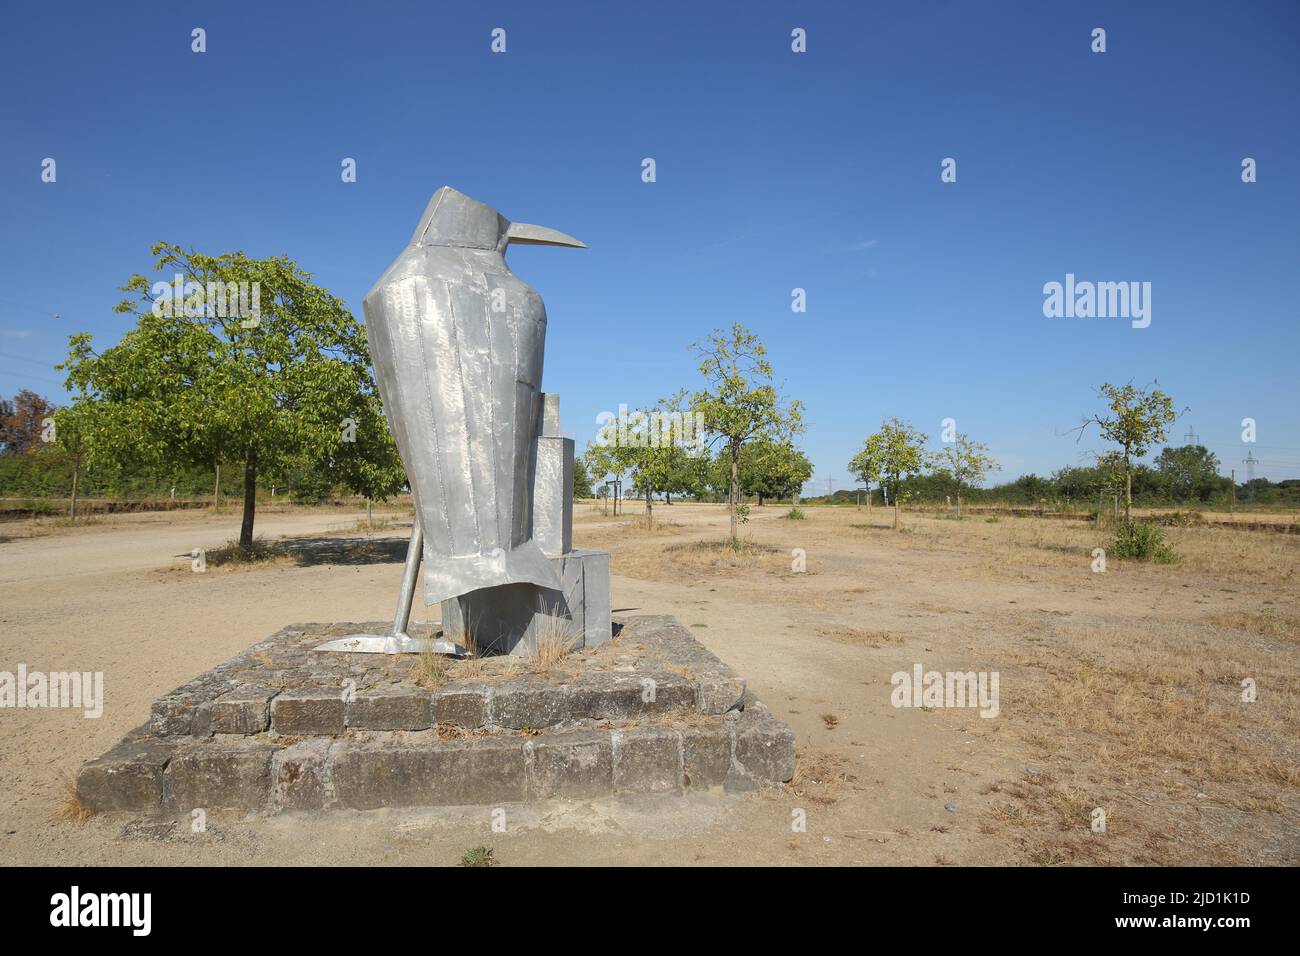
x,y
775,170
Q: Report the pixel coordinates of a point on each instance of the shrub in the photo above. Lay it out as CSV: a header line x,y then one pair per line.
x,y
1142,541
795,514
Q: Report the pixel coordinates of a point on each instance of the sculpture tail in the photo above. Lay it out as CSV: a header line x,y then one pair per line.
x,y
444,577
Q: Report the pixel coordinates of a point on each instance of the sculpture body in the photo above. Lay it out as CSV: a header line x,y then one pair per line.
x,y
457,341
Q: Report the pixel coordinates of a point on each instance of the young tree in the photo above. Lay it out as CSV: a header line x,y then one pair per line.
x,y
890,455
1135,420
740,403
657,449
966,462
73,426
198,383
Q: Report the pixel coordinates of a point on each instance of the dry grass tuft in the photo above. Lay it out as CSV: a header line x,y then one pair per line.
x,y
70,808
821,776
431,671
553,644
859,636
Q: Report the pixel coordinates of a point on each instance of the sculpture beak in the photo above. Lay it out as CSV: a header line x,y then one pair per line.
x,y
527,234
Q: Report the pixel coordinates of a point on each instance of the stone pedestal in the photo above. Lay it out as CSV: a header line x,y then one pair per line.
x,y
284,727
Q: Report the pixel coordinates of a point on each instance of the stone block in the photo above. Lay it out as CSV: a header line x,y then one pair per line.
x,y
244,710
308,713
717,695
647,759
389,708
235,776
428,772
461,706
575,764
706,756
763,752
128,777
298,776
527,702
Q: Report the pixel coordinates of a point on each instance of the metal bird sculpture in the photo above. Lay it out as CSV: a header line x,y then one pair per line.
x,y
457,342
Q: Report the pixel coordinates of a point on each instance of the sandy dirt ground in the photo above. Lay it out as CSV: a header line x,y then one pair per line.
x,y
1119,691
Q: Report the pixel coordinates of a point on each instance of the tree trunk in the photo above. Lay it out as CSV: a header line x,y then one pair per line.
x,y
734,491
649,511
1128,491
216,489
959,504
72,510
250,503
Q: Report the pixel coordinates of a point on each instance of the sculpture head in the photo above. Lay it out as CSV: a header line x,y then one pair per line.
x,y
453,219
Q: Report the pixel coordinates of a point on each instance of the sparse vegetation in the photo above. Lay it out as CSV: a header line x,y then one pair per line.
x,y
1142,541
478,856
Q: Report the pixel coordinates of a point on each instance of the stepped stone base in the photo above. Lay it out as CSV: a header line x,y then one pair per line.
x,y
280,727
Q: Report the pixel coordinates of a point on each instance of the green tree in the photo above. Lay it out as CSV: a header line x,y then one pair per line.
x,y
581,480
1190,472
656,447
890,455
967,462
771,469
268,388
1135,420
739,402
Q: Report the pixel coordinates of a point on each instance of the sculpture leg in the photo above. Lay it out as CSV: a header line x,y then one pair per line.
x,y
398,642
410,580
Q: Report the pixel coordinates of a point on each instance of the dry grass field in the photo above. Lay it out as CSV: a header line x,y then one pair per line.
x,y
1119,692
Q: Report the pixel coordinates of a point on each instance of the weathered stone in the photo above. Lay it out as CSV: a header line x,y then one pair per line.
x,y
647,759
672,694
763,754
574,764
244,710
428,772
389,708
706,756
307,713
605,697
236,775
128,777
172,716
186,711
298,776
527,702
718,695
461,706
